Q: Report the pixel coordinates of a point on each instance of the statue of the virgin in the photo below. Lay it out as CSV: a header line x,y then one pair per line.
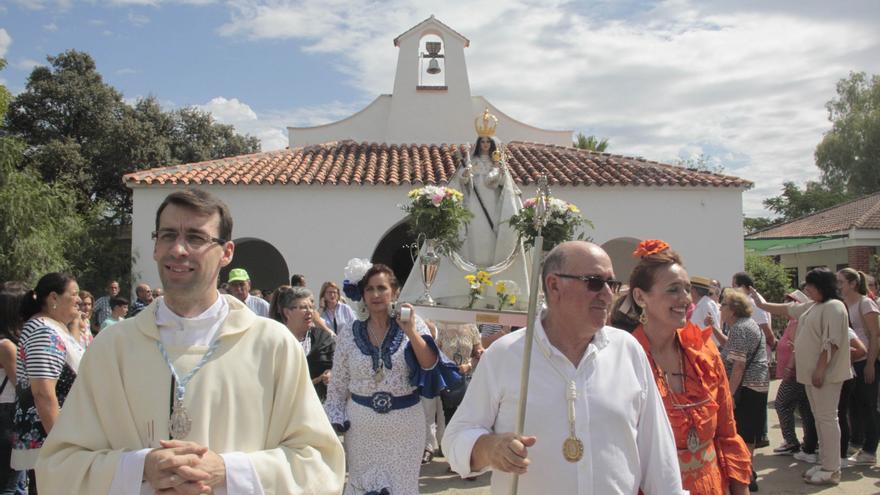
x,y
488,240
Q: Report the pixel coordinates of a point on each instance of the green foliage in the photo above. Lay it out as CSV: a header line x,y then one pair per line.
x,y
849,154
39,226
591,143
795,202
75,138
754,224
438,213
770,278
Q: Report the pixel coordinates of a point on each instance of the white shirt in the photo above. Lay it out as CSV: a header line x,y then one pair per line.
x,y
174,330
707,306
760,316
258,305
620,418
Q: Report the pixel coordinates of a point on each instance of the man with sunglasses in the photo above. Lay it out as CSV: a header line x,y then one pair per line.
x,y
595,423
196,394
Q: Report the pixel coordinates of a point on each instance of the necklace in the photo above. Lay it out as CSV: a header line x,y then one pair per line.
x,y
693,438
572,447
379,374
180,422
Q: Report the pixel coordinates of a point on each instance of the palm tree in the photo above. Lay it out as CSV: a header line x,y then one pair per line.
x,y
591,143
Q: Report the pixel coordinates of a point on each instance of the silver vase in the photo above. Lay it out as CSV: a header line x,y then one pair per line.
x,y
429,263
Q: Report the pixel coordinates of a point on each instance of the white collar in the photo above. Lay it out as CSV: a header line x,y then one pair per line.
x,y
599,341
199,329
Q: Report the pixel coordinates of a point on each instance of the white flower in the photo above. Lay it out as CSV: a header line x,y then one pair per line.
x,y
356,269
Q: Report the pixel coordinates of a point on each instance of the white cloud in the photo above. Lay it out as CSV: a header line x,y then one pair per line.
x,y
742,81
126,71
51,27
5,41
271,127
42,4
138,19
27,64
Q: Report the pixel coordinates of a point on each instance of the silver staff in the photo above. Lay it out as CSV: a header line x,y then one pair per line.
x,y
535,285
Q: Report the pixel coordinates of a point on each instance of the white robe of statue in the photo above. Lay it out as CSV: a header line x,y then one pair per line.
x,y
487,240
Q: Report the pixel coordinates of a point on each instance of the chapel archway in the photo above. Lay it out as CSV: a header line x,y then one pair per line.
x,y
263,262
393,250
620,250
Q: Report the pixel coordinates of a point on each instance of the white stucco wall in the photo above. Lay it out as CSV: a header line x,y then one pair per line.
x,y
319,228
370,125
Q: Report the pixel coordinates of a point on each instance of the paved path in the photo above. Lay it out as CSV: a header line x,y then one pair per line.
x,y
777,475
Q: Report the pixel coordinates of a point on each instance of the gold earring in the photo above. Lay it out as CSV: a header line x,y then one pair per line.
x,y
54,307
643,316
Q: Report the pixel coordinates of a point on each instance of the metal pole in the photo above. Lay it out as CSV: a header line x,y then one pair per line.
x,y
534,288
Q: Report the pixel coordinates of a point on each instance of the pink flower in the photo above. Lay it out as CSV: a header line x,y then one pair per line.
x,y
437,199
529,202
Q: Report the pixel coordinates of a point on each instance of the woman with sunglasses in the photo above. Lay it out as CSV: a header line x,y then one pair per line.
x,y
688,371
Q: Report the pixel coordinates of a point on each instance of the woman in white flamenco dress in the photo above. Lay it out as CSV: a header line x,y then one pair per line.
x,y
491,195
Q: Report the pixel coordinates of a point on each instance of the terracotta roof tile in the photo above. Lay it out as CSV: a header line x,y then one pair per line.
x,y
349,163
861,213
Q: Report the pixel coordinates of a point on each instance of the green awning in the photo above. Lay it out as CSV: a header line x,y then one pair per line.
x,y
783,242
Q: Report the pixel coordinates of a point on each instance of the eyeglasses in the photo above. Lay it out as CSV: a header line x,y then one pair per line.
x,y
193,240
594,283
302,307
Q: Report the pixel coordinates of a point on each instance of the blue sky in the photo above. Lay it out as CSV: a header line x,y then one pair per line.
x,y
744,81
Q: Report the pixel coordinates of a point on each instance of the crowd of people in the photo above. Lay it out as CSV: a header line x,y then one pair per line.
x,y
659,383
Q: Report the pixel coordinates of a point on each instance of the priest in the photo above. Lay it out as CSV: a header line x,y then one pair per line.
x,y
196,394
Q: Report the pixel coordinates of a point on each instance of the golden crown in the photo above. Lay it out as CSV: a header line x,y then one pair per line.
x,y
486,124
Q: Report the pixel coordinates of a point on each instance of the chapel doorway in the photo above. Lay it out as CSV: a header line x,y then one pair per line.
x,y
393,250
263,262
620,250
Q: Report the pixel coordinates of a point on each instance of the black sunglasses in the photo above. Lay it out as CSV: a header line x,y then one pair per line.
x,y
594,283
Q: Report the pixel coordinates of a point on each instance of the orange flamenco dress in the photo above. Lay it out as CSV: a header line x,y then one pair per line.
x,y
717,454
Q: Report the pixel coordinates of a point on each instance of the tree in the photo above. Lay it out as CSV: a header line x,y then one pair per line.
x,y
39,225
849,153
754,224
702,163
80,131
770,277
795,202
591,143
75,139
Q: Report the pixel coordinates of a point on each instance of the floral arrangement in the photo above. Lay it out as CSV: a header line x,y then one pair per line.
x,y
477,282
438,213
563,218
507,292
649,247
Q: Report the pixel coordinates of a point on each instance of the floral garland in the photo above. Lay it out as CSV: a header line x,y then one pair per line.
x,y
649,247
563,219
438,213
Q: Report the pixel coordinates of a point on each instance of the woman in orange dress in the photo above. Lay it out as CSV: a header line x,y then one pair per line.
x,y
688,371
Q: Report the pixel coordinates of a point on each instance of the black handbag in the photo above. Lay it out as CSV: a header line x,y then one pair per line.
x,y
452,396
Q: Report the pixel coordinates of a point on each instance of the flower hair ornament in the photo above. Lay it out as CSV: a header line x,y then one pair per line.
x,y
649,247
353,284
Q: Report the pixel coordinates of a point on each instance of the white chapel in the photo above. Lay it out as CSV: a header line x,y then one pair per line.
x,y
334,192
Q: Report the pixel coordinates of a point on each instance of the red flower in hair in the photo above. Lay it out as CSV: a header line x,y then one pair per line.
x,y
649,247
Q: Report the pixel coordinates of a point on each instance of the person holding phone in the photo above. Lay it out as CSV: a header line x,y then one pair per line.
x,y
381,368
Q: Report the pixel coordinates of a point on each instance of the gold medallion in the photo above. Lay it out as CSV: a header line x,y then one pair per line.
x,y
573,449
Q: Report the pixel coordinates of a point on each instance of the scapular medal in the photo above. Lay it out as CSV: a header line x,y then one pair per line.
x,y
180,423
573,449
693,440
